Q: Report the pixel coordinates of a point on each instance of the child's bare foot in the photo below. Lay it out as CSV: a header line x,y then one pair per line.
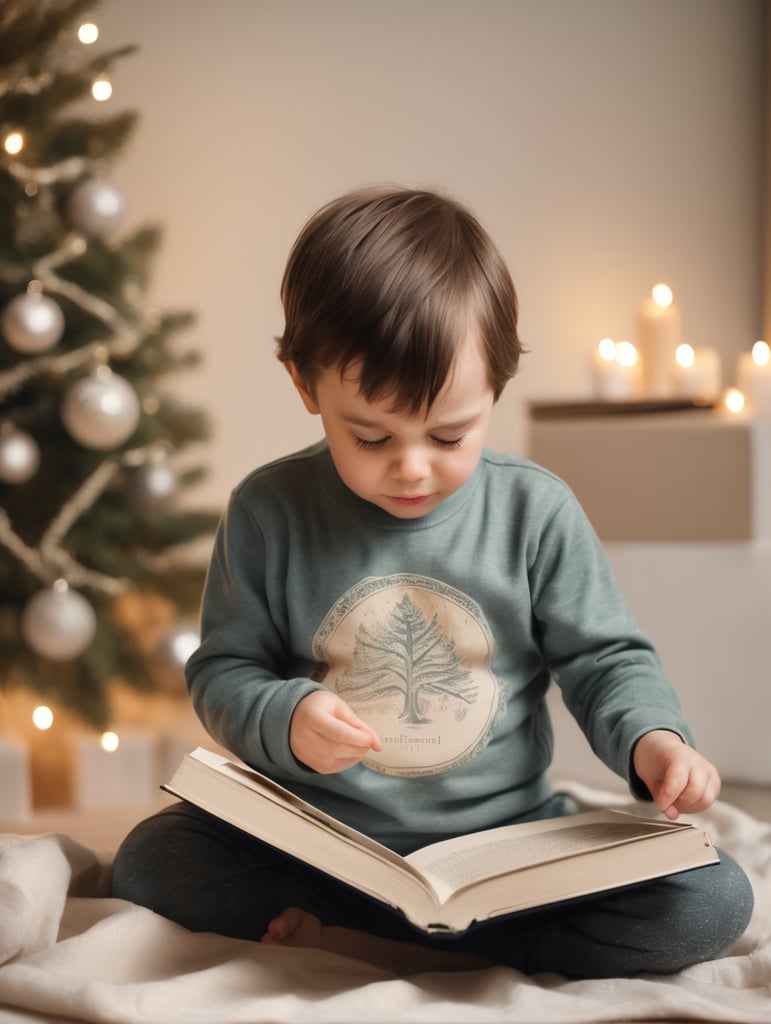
x,y
295,927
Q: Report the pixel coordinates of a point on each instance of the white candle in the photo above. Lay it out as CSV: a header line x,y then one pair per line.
x,y
697,372
16,790
616,371
115,769
660,331
753,379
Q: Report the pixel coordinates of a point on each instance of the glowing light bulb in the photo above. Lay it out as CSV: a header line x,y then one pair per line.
x,y
761,353
101,89
607,350
88,33
42,717
685,356
183,645
626,353
733,400
662,295
109,741
13,143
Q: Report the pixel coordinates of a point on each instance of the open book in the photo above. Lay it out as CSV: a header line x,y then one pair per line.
x,y
447,886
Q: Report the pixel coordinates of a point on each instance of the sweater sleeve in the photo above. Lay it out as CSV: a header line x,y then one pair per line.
x,y
608,671
237,677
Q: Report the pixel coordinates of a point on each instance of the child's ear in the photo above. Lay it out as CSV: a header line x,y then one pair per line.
x,y
303,388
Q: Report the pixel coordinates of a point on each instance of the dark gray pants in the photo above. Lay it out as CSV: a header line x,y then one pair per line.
x,y
207,876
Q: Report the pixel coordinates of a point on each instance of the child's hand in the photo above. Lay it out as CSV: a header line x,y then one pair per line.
x,y
679,778
326,734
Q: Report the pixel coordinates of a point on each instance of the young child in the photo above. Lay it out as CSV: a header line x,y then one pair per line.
x,y
385,611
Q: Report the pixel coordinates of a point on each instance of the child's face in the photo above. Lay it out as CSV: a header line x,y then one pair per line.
x,y
407,465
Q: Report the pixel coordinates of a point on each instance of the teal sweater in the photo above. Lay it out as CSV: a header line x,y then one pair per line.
x,y
443,633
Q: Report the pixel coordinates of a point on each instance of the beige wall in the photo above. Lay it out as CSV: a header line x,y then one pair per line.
x,y
606,144
766,296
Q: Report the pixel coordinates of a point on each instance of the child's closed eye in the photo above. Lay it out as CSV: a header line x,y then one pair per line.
x,y
361,442
454,443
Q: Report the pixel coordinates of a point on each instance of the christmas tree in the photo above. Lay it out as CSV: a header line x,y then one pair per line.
x,y
92,527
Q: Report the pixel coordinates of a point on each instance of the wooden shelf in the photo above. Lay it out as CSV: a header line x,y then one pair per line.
x,y
695,475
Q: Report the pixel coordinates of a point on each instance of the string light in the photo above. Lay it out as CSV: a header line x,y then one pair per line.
x,y
101,88
13,143
183,644
109,741
88,33
65,170
42,717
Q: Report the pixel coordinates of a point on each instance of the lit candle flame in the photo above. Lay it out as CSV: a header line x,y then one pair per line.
x,y
685,356
733,400
761,353
626,353
607,350
662,295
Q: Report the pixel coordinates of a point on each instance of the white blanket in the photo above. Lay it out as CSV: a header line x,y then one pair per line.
x,y
69,953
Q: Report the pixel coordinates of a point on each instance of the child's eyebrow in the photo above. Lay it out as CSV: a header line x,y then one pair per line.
x,y
457,425
358,421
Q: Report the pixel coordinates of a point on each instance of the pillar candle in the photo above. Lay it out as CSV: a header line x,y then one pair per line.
x,y
697,372
125,775
659,332
753,379
16,788
616,371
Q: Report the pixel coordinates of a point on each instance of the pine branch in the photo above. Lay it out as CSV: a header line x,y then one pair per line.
x,y
21,102
29,29
75,83
93,140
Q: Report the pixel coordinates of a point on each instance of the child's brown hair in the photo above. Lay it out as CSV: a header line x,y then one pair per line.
x,y
392,280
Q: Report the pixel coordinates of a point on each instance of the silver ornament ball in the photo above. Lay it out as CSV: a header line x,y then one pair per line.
x,y
58,623
32,323
96,208
19,455
101,410
154,484
167,664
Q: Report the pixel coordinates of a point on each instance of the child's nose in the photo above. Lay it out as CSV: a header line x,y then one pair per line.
x,y
410,465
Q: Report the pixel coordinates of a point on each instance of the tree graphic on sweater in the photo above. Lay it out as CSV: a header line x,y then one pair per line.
x,y
407,655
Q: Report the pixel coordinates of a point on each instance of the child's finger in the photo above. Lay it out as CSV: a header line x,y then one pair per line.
x,y
702,790
364,734
672,785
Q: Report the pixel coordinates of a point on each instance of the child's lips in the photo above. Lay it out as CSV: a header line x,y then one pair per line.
x,y
418,499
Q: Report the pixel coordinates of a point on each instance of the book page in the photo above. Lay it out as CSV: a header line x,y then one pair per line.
x,y
461,862
271,790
